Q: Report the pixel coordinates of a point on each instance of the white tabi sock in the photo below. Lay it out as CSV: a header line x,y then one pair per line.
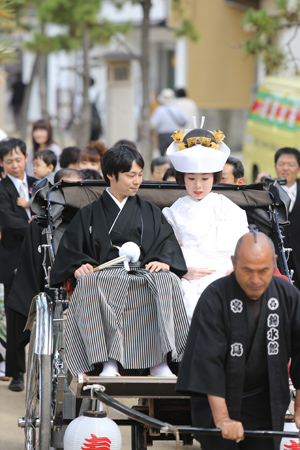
x,y
110,368
161,370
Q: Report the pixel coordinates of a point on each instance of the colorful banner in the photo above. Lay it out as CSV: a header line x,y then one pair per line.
x,y
275,110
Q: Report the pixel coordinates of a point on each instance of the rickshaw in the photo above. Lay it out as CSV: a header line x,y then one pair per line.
x,y
53,397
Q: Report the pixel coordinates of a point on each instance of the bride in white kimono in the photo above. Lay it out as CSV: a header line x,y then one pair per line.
x,y
207,225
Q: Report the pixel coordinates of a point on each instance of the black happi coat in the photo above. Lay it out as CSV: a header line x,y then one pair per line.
x,y
87,238
215,358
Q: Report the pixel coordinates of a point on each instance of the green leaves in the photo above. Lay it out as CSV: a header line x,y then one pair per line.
x,y
78,13
7,22
266,29
189,30
260,21
73,16
274,58
7,15
187,27
45,44
104,31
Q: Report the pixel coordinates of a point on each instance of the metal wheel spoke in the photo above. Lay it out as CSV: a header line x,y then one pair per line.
x,y
38,400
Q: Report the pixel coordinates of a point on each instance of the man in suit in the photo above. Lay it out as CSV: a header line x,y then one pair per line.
x,y
14,220
287,165
30,276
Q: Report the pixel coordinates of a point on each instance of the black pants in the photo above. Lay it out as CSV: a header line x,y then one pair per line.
x,y
16,339
256,415
247,444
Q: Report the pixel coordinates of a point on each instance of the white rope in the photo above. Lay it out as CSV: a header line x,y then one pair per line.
x,y
94,388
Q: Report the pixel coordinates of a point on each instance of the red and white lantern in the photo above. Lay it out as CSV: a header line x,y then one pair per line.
x,y
92,431
290,443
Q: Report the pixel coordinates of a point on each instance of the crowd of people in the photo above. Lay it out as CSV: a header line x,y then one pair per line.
x,y
194,287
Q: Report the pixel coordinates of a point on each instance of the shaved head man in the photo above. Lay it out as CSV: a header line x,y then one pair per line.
x,y
244,330
254,263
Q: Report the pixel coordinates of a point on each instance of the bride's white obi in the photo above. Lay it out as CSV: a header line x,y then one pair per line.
x,y
207,231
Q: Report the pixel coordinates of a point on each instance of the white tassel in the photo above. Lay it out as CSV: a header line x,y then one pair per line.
x,y
132,253
202,121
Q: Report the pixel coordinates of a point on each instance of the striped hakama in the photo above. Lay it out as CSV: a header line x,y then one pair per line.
x,y
134,317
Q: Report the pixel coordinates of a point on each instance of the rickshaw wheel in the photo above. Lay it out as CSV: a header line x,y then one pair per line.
x,y
38,399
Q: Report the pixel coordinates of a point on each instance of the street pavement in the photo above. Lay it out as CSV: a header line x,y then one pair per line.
x,y
12,438
11,408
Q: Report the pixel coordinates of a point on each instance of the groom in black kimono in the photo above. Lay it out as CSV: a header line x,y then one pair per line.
x,y
94,237
245,329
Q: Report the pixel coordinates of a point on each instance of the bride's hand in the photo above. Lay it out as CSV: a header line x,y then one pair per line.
x,y
195,273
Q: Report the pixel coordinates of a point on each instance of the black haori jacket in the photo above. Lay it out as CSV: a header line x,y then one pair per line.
x,y
87,238
214,361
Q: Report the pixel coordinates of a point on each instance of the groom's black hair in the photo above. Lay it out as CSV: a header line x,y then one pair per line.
x,y
120,158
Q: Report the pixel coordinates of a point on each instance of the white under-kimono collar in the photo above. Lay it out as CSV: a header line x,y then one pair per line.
x,y
120,204
201,202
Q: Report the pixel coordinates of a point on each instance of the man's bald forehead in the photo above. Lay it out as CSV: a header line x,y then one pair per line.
x,y
252,239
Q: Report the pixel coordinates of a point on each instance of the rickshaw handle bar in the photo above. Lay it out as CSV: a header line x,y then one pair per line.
x,y
151,422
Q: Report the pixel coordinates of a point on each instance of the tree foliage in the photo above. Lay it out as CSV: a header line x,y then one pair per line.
x,y
73,16
187,27
7,22
267,28
7,15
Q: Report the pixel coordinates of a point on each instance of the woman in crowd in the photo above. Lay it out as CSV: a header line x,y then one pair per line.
x,y
42,140
91,157
207,225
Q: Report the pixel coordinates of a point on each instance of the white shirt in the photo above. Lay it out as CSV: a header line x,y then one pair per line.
x,y
167,122
3,135
292,193
120,204
17,183
190,108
